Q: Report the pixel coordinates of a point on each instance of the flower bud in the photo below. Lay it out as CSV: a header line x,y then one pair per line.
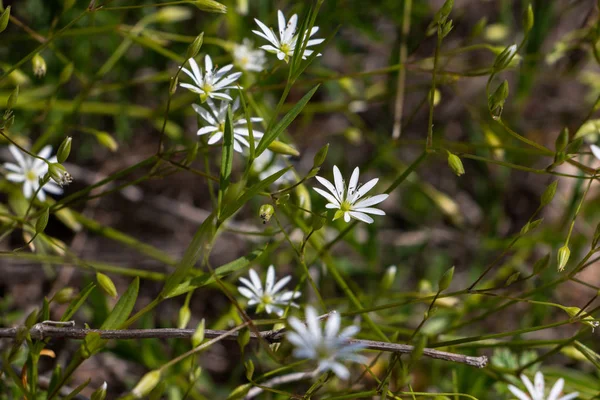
x,y
184,317
528,19
39,65
455,164
210,6
194,47
497,99
146,384
107,284
4,17
321,155
66,74
59,174
563,257
549,194
266,211
42,221
64,295
100,393
388,277
562,140
446,279
198,335
505,57
283,148
584,317
12,99
107,141
173,14
64,150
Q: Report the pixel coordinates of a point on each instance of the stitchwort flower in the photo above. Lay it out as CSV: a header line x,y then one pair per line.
x,y
29,170
348,200
212,82
537,391
215,124
247,58
330,348
270,298
285,45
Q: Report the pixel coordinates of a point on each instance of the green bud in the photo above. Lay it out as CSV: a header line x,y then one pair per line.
x,y
528,19
194,47
184,317
444,12
106,284
321,155
562,140
512,278
505,57
59,174
240,391
563,257
282,148
66,73
39,65
244,338
265,212
210,6
4,17
12,99
249,369
42,221
198,335
100,393
31,318
478,28
456,164
574,146
174,83
146,384
584,317
446,279
317,222
446,28
549,194
497,99
107,141
195,374
531,225
388,277
283,199
171,14
64,150
9,122
64,295
541,264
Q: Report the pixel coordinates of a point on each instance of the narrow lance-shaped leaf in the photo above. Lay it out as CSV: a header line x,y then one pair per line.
x,y
77,302
123,308
226,158
273,133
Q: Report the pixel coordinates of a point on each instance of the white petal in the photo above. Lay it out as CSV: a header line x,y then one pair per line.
x,y
271,49
255,279
347,217
329,187
270,281
27,189
314,325
556,389
208,64
370,201
353,181
267,37
227,80
313,42
268,33
215,138
14,177
18,155
13,167
206,115
339,182
340,370
364,189
246,292
206,129
375,211
518,393
188,73
290,29
220,96
192,88
596,151
361,217
329,197
41,195
281,283
332,206
298,326
570,396
45,152
333,325
529,387
280,54
350,331
197,71
539,384
53,188
281,24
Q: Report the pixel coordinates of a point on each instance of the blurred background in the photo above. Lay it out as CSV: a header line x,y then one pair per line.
x,y
114,104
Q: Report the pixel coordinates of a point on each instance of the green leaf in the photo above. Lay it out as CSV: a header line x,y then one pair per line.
x,y
123,308
272,134
193,253
226,158
77,302
253,190
206,279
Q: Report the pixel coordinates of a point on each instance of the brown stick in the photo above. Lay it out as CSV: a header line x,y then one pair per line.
x,y
46,330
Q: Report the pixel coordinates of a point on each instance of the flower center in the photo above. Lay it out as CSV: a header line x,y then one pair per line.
x,y
266,299
31,175
285,48
345,206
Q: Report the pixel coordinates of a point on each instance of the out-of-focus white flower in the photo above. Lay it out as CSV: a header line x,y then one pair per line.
x,y
270,298
248,58
330,348
537,390
269,163
212,82
285,45
348,200
28,170
215,118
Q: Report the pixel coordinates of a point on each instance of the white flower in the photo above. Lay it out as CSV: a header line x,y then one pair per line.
x,y
209,84
537,392
347,200
595,150
247,58
285,45
268,163
29,169
270,299
330,348
215,118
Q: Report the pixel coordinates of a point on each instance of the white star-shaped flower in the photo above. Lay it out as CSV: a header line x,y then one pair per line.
x,y
285,45
270,298
215,119
330,348
212,82
348,200
248,58
29,169
537,391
